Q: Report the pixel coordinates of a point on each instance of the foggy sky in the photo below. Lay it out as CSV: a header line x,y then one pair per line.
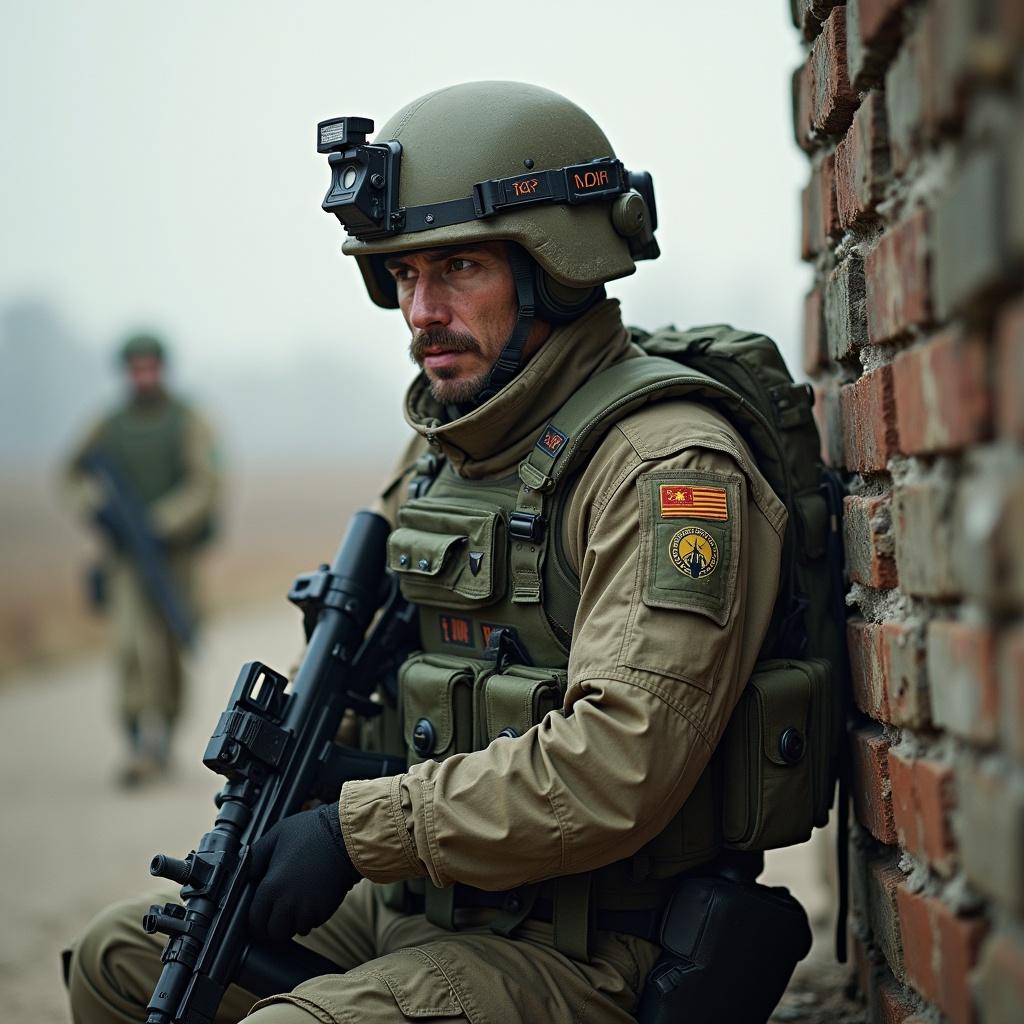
x,y
159,164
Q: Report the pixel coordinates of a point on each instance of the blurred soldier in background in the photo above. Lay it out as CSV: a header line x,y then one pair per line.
x,y
145,477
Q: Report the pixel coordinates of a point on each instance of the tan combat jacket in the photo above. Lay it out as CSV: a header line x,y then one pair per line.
x,y
653,677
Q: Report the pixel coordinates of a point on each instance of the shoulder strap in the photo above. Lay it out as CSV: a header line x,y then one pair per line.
x,y
578,427
610,396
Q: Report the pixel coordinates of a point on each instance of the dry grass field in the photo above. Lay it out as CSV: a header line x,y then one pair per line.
x,y
278,523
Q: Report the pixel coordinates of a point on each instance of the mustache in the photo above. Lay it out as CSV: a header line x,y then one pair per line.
x,y
453,341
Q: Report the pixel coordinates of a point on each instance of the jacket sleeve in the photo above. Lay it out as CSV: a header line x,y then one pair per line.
x,y
653,676
181,512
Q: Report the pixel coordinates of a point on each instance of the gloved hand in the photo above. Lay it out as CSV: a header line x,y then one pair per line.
x,y
302,873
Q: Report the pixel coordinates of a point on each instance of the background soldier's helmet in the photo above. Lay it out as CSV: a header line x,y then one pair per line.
x,y
142,345
459,143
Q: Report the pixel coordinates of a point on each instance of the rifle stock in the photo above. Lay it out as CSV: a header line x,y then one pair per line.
x,y
275,745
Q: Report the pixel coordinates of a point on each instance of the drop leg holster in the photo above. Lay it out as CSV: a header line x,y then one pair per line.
x,y
729,949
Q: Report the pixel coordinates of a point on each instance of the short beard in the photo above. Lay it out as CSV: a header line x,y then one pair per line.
x,y
446,388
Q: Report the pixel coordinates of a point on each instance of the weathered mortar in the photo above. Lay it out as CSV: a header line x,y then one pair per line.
x,y
911,113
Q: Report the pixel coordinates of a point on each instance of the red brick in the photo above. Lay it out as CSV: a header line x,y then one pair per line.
x,y
923,529
939,950
989,520
922,796
942,394
883,913
887,669
1009,381
872,33
803,105
867,537
868,413
811,13
999,981
862,162
818,208
916,931
901,782
1010,20
906,682
846,322
815,356
1011,690
867,669
959,942
972,44
834,98
830,225
893,1005
970,233
933,797
871,798
876,17
962,679
908,86
828,417
864,964
896,279
812,236
887,999
990,828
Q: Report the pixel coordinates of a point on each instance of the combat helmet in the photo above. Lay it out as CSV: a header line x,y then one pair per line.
x,y
138,345
488,161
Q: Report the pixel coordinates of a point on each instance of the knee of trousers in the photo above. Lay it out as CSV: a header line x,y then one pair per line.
x,y
407,984
114,966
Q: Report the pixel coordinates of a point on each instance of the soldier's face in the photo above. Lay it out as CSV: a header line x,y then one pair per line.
x,y
460,304
145,375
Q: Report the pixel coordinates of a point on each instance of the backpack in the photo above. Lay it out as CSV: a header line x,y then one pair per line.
x,y
774,417
782,752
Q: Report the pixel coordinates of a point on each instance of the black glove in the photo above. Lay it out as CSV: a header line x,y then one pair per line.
x,y
302,873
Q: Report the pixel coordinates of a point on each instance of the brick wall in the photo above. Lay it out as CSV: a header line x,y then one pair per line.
x,y
911,113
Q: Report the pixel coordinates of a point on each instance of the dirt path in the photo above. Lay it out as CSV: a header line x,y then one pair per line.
x,y
72,842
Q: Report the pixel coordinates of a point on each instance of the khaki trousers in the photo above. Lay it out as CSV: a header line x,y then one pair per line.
x,y
398,967
148,654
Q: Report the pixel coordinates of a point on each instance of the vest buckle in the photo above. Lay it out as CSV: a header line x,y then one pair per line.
x,y
526,526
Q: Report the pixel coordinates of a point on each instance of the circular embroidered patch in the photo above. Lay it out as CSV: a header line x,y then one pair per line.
x,y
693,552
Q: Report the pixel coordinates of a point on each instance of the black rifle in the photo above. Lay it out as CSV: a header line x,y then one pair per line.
x,y
124,517
275,745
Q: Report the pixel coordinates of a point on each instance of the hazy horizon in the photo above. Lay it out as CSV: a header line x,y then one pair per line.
x,y
160,171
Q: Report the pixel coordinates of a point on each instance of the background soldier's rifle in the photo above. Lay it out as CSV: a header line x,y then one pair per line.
x,y
275,745
124,517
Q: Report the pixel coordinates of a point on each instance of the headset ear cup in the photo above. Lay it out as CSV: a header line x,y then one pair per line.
x,y
559,303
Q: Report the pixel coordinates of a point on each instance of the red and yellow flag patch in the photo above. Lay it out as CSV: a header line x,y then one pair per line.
x,y
684,501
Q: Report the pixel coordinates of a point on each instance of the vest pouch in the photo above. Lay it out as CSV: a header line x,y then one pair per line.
x,y
437,705
776,756
513,701
449,554
690,838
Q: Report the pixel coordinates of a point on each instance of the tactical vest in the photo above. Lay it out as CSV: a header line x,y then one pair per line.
x,y
497,596
147,447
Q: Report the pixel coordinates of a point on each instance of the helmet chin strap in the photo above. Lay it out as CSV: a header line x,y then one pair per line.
x,y
510,359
